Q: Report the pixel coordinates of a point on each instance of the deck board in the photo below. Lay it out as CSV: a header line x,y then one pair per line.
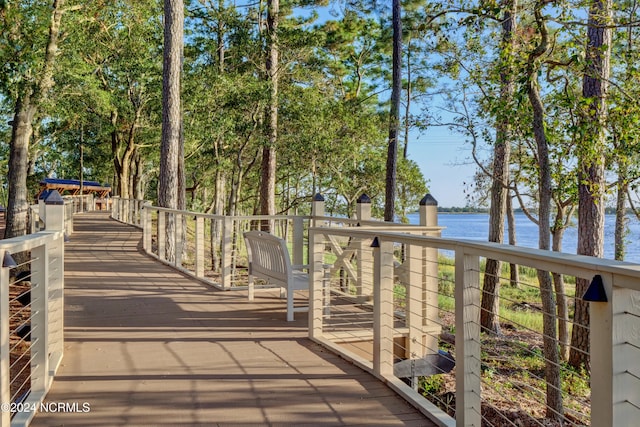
x,y
145,345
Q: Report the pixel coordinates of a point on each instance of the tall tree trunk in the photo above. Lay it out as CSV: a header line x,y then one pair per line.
x,y
220,32
552,370
169,181
621,211
127,160
407,107
394,115
559,286
514,274
115,144
591,178
216,225
502,151
25,110
18,204
268,167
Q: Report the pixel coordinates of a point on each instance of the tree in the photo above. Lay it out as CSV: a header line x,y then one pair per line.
x,y
591,167
170,183
268,167
394,115
552,367
500,173
35,77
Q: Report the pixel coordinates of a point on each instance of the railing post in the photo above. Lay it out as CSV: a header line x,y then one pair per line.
x,y
227,231
364,285
363,208
54,273
162,234
383,308
615,332
143,218
199,258
138,212
147,230
179,236
131,211
5,377
430,313
40,319
54,211
114,208
317,210
467,300
414,319
316,284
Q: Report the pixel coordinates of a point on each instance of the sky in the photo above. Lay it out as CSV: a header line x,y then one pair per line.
x,y
445,161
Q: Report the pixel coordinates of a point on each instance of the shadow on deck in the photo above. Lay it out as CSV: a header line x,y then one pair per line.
x,y
144,345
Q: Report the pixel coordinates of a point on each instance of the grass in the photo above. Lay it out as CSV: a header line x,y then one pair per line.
x,y
513,299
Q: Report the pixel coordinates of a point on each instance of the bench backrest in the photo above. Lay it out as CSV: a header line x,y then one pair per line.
x,y
268,256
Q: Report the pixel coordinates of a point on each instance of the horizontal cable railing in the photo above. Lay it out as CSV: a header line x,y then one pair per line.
x,y
428,323
467,340
31,317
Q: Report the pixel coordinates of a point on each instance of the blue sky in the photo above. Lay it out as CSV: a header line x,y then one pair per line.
x,y
444,159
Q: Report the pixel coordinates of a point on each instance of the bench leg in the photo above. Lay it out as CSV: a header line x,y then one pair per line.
x,y
250,288
289,305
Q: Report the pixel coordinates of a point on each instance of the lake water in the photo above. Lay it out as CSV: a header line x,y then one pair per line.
x,y
476,227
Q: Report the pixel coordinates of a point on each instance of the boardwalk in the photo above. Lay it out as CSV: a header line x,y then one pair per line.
x,y
148,346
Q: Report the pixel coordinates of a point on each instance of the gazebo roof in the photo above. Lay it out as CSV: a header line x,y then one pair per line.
x,y
72,186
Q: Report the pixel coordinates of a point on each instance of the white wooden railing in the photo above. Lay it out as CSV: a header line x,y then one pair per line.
x,y
31,317
210,247
72,205
384,295
416,329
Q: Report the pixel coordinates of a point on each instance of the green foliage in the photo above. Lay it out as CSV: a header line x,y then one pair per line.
x,y
432,385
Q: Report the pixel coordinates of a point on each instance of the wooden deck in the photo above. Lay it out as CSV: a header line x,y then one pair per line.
x,y
147,346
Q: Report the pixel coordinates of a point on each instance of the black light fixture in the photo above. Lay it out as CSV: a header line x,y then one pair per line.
x,y
8,261
596,291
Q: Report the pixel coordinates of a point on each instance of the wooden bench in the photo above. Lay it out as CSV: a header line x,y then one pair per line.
x,y
269,260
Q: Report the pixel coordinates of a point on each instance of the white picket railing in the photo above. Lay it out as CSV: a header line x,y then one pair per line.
x,y
31,317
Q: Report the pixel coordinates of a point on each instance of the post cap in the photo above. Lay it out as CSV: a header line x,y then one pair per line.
x,y
44,194
596,291
8,261
318,198
364,199
54,198
428,200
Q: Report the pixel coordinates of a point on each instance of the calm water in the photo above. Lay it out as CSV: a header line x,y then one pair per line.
x,y
476,227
